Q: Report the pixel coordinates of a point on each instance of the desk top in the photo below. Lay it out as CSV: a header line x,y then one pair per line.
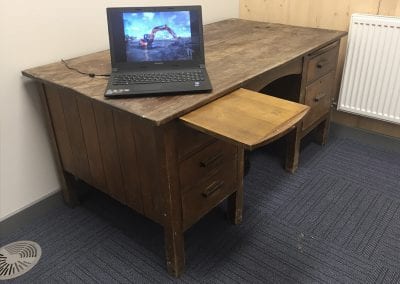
x,y
237,51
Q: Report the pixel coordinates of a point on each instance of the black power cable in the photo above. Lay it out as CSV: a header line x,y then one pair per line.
x,y
92,75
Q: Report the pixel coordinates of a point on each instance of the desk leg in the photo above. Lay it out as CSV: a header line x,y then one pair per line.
x,y
235,200
171,198
322,131
293,149
68,186
175,251
235,207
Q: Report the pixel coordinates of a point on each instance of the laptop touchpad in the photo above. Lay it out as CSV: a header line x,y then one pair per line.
x,y
148,87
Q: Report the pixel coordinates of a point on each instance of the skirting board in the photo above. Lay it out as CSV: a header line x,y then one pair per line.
x,y
369,124
30,204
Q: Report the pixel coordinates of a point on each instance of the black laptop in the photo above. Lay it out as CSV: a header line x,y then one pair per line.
x,y
156,51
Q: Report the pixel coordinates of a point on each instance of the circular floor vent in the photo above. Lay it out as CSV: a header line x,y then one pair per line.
x,y
18,258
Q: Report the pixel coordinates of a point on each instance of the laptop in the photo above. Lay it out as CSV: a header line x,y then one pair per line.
x,y
156,51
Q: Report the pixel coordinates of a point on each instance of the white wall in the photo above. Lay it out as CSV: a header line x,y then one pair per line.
x,y
34,33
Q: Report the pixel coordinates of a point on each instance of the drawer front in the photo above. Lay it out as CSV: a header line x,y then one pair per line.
x,y
318,97
189,140
322,64
207,194
205,163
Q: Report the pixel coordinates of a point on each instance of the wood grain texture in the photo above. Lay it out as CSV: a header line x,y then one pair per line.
x,y
151,171
89,129
228,60
69,193
322,131
235,200
127,150
189,141
75,134
322,63
366,123
109,151
318,97
60,128
389,8
293,140
170,198
309,13
248,118
208,193
258,83
203,163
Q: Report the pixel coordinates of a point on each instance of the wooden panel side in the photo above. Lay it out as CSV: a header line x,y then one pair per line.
x,y
109,151
69,192
91,141
389,7
75,134
125,135
309,13
60,128
150,170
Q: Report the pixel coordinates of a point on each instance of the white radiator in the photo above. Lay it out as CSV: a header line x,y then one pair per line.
x,y
371,76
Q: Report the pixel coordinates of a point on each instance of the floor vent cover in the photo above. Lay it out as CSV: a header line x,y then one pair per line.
x,y
18,258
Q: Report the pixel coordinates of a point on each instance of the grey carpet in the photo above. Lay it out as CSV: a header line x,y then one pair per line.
x,y
336,220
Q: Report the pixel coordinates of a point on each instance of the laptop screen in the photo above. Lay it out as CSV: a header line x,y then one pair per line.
x,y
155,36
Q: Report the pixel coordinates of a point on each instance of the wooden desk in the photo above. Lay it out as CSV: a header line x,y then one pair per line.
x,y
139,151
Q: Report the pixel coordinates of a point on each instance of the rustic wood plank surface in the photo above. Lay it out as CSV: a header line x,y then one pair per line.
x,y
68,191
228,60
89,129
128,158
149,157
60,128
246,117
75,134
109,151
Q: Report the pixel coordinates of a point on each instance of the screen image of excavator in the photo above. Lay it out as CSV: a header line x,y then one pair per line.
x,y
158,36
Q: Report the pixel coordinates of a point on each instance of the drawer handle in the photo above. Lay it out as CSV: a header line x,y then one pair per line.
x,y
212,188
319,97
321,64
211,160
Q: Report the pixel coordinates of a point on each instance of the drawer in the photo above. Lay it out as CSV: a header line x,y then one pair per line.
x,y
322,64
207,194
190,140
206,162
318,98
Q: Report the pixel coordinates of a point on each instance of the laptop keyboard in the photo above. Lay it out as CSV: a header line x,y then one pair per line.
x,y
157,77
